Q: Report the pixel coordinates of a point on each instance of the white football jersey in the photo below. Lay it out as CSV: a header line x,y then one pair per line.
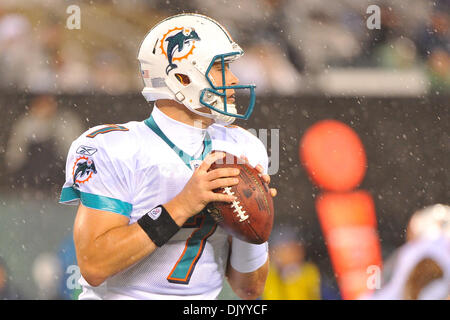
x,y
131,168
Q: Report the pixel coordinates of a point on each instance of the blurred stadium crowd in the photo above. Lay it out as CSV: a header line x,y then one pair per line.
x,y
294,46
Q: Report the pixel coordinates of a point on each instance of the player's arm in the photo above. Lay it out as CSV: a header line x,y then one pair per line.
x,y
248,265
253,263
106,244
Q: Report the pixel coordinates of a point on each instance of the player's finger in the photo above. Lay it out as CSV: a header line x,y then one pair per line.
x,y
266,178
210,159
222,173
273,192
222,183
259,168
243,159
222,197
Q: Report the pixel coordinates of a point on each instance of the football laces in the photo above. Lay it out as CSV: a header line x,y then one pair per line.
x,y
235,205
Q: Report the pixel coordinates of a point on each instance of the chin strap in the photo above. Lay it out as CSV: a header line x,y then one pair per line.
x,y
216,101
223,119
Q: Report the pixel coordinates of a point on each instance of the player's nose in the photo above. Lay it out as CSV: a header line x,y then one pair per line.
x,y
232,79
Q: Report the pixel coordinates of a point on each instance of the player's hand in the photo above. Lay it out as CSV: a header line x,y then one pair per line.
x,y
265,177
198,191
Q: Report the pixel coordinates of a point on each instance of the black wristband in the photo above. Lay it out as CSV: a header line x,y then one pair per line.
x,y
158,225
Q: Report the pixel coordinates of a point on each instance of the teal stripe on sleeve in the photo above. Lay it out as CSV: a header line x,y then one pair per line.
x,y
95,201
69,194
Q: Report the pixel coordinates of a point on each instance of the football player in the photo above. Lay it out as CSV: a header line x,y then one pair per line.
x,y
141,231
420,268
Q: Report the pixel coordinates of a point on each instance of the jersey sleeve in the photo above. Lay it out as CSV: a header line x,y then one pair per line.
x,y
96,178
256,152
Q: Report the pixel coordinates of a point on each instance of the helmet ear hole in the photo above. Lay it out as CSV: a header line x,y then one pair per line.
x,y
183,79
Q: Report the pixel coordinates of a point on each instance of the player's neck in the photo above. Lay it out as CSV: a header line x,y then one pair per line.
x,y
180,113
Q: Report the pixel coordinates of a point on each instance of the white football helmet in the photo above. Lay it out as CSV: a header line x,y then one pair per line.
x,y
176,57
431,221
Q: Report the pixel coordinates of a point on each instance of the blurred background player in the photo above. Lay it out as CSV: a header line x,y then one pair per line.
x,y
290,276
47,273
8,290
420,269
40,137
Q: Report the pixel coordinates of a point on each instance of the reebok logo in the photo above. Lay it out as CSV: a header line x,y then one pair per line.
x,y
86,151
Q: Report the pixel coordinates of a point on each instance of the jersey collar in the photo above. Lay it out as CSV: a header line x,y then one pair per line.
x,y
191,144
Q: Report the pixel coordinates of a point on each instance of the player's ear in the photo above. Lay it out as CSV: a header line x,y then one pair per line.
x,y
183,78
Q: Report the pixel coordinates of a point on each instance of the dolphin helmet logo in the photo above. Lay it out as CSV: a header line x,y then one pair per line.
x,y
178,44
82,170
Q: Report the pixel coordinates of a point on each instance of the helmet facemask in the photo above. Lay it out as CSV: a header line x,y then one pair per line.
x,y
215,96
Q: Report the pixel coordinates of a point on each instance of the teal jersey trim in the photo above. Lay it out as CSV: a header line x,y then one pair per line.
x,y
94,201
150,122
69,194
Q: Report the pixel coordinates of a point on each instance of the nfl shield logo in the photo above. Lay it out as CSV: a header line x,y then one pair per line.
x,y
195,164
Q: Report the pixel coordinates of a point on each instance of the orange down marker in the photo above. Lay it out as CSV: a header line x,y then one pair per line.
x,y
335,160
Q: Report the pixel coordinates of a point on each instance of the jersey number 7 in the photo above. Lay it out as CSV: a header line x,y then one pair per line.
x,y
107,128
205,226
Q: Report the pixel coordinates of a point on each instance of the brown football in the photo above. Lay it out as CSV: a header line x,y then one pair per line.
x,y
250,217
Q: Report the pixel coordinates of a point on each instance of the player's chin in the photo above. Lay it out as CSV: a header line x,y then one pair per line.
x,y
231,98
